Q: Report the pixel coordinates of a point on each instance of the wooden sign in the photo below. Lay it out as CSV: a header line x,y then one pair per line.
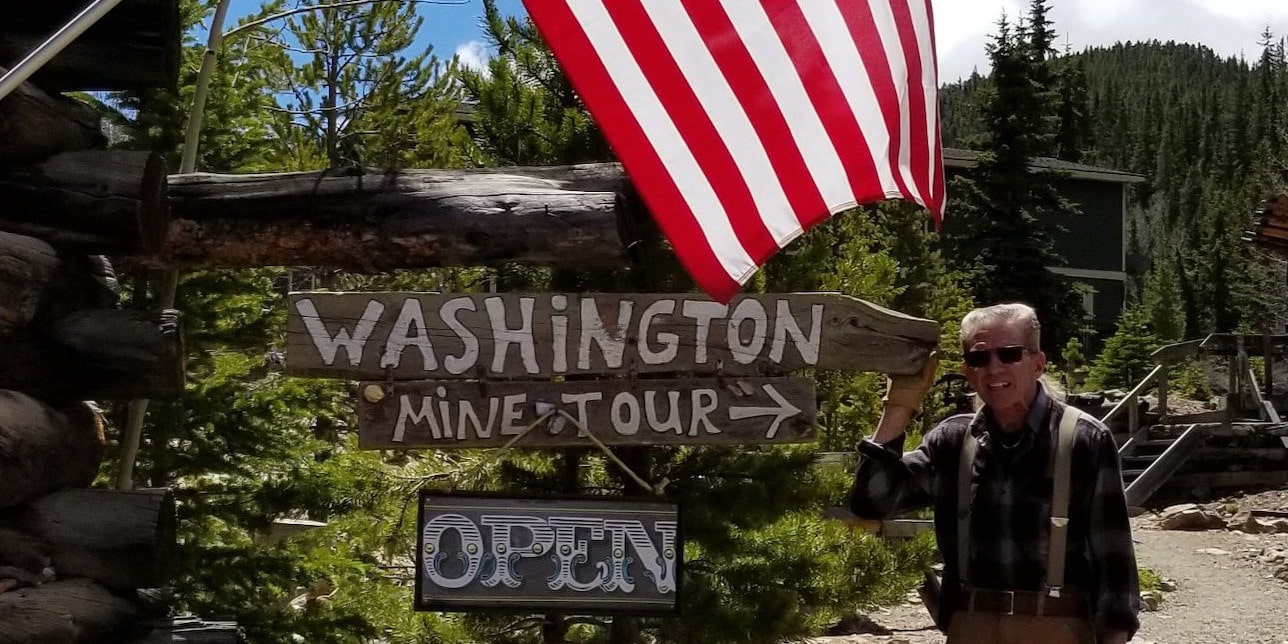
x,y
547,555
420,336
726,411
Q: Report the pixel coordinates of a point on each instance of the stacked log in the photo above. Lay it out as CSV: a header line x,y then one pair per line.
x,y
73,559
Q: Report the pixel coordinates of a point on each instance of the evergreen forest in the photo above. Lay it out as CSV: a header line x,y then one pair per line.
x,y
343,86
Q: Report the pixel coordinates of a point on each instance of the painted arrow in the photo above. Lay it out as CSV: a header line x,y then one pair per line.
x,y
782,412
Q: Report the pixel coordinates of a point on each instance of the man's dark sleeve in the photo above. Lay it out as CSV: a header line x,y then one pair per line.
x,y
888,482
1116,591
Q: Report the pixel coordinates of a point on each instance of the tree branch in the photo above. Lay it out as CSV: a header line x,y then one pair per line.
x,y
350,3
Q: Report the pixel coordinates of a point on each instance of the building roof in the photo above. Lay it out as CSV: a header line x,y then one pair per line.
x,y
1271,230
958,158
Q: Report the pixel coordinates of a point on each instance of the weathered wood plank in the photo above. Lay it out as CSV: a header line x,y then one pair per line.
x,y
417,336
398,219
1227,344
618,412
44,449
191,630
134,47
97,201
122,539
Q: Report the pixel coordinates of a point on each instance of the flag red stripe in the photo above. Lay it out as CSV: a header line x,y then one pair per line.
x,y
568,41
863,29
693,122
937,162
916,100
752,91
828,99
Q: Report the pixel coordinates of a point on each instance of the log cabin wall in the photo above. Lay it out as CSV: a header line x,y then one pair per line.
x,y
73,559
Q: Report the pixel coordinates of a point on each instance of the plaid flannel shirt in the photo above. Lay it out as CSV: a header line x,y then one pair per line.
x,y
1010,517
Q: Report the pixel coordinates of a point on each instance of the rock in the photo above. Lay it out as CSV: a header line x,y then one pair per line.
x,y
1250,524
1212,551
1189,517
1167,585
1281,573
1150,600
1274,555
858,625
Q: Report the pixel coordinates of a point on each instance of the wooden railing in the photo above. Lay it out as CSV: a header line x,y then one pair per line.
x,y
1131,404
1144,486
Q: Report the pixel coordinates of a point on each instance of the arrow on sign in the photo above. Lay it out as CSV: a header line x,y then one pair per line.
x,y
782,412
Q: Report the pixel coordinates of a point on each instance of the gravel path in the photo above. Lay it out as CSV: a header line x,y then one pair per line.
x,y
1226,594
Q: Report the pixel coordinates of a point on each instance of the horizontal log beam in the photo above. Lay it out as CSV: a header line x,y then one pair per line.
x,y
565,216
96,201
134,47
63,337
63,612
39,284
44,449
35,125
98,354
122,539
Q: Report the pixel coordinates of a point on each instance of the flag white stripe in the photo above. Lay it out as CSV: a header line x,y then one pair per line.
x,y
652,117
892,45
928,84
838,46
821,158
696,62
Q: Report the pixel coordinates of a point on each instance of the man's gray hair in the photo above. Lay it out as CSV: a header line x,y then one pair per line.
x,y
1014,312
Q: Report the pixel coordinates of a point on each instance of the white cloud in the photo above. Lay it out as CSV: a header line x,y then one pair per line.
x,y
1229,27
473,55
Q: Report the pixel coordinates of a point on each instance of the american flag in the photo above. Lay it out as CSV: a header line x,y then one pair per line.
x,y
742,123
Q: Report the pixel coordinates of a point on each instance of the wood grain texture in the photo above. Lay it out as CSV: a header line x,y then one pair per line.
x,y
134,47
376,221
359,335
97,354
74,611
122,539
446,415
97,201
35,125
44,449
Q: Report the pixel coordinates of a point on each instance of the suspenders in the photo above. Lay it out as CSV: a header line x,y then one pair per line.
x,y
1059,503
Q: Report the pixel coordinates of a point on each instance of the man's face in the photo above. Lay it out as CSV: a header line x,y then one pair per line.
x,y
1000,385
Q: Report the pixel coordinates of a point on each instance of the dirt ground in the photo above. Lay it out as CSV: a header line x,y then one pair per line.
x,y
1230,587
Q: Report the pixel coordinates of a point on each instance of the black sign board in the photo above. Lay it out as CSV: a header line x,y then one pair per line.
x,y
587,556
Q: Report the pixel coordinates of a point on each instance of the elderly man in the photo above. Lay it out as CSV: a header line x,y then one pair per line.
x,y
1029,508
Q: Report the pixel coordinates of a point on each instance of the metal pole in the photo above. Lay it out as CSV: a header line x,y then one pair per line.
x,y
56,43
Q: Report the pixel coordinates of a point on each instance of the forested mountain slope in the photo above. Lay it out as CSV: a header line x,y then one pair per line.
x,y
1208,132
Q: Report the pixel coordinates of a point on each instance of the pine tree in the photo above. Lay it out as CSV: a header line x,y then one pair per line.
x,y
1162,303
1073,135
1126,356
1001,236
356,95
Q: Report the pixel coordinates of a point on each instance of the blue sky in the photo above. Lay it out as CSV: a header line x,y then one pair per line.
x,y
449,28
1230,27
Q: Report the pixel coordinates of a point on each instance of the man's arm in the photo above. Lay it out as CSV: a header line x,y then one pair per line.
x,y
1116,588
888,481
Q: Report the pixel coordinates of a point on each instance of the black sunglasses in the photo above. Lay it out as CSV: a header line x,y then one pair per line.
x,y
979,358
